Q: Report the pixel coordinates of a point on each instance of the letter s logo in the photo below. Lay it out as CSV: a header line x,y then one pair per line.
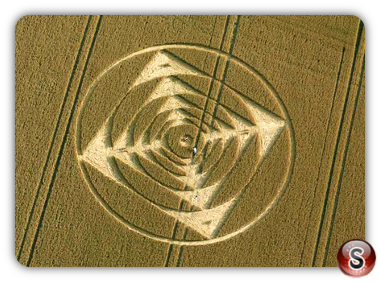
x,y
356,261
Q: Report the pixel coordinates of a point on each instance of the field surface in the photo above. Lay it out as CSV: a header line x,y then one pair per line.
x,y
188,140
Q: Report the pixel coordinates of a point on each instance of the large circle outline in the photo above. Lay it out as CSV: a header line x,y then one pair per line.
x,y
156,237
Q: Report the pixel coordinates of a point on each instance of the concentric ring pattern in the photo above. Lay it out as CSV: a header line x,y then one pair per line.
x,y
188,145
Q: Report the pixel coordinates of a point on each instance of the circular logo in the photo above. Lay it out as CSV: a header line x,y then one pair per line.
x,y
356,258
184,135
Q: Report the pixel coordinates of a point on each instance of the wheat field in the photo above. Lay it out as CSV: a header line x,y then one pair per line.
x,y
188,140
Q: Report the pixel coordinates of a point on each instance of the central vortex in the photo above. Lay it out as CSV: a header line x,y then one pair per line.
x,y
185,144
181,140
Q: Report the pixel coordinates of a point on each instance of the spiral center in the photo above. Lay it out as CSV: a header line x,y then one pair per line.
x,y
181,140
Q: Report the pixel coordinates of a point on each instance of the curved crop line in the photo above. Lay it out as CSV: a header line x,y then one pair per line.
x,y
288,123
156,159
